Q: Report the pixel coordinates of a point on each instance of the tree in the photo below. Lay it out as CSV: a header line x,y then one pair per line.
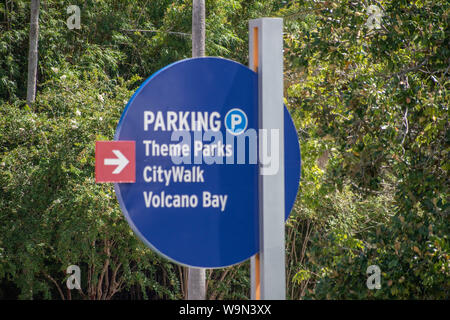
x,y
375,102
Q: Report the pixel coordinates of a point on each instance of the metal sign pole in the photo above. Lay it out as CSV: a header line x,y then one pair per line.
x,y
266,58
196,289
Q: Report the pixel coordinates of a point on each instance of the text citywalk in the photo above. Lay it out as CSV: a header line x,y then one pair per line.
x,y
176,174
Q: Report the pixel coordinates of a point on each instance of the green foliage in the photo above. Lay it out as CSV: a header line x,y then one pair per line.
x,y
53,213
229,283
371,107
377,102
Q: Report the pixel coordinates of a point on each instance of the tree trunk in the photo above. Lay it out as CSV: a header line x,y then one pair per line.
x,y
196,276
33,51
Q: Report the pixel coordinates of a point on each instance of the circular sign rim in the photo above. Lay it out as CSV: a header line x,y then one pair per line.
x,y
117,185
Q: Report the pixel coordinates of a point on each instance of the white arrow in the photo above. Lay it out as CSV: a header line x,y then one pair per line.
x,y
121,162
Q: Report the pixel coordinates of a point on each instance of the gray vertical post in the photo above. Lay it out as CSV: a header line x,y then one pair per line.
x,y
266,37
33,51
198,28
197,276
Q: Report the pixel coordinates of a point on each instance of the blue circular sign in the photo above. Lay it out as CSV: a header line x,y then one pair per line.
x,y
195,126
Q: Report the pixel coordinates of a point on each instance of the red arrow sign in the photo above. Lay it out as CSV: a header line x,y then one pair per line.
x,y
115,161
